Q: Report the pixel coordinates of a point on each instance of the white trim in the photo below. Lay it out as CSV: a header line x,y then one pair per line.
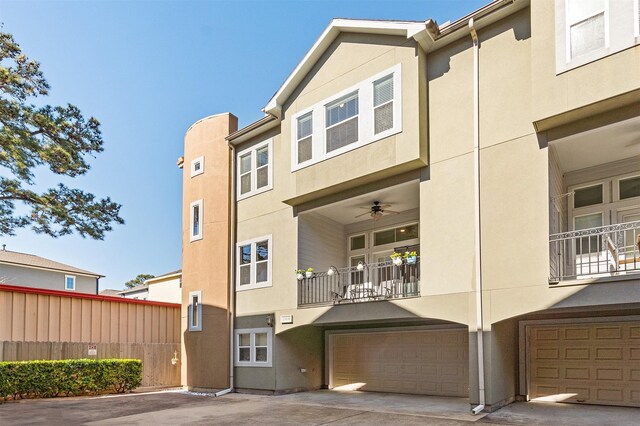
x,y
636,14
197,236
252,150
252,263
365,117
567,30
616,187
414,30
73,277
198,325
195,161
252,332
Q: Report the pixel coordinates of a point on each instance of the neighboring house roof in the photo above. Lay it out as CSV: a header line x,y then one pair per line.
x,y
109,292
164,277
136,289
32,261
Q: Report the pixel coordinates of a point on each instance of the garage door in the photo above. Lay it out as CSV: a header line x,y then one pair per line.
x,y
430,362
587,363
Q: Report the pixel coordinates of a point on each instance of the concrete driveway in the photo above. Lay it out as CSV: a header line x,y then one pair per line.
x,y
310,408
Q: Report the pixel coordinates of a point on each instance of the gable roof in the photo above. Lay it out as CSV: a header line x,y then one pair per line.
x,y
408,29
32,261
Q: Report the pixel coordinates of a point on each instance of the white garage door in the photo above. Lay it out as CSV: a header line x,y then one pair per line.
x,y
430,362
587,363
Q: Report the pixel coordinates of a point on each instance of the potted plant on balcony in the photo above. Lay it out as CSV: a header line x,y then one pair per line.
x,y
411,257
300,274
396,258
309,273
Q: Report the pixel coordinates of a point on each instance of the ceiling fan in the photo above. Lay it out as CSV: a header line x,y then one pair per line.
x,y
376,210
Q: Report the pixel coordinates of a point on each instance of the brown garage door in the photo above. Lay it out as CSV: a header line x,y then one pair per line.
x,y
587,363
430,362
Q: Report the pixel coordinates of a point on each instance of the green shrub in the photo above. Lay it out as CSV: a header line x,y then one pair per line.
x,y
43,379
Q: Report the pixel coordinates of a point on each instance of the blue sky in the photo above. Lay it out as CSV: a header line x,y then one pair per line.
x,y
147,70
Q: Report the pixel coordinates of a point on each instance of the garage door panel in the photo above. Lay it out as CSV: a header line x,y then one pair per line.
x,y
590,363
423,361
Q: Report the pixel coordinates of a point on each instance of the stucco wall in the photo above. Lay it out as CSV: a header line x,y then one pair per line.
x,y
205,262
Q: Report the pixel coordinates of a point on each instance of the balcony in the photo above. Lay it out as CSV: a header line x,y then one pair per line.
x,y
362,283
603,251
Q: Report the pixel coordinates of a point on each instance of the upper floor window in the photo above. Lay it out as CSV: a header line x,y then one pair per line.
x,y
69,282
585,26
195,310
364,113
588,30
253,262
197,166
383,104
342,122
305,138
254,170
195,221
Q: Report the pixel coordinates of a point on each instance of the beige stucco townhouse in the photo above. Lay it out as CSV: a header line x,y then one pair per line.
x,y
502,148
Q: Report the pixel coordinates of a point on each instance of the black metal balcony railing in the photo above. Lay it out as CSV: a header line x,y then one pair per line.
x,y
374,281
610,250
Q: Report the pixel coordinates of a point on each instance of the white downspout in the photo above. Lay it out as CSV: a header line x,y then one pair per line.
x,y
232,287
476,191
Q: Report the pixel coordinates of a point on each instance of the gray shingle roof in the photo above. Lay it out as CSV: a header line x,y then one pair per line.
x,y
25,259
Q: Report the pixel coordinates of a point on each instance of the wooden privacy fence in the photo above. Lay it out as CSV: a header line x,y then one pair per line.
x,y
49,324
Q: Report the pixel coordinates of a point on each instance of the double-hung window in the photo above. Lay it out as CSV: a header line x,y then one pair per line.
x,y
195,221
254,263
342,122
383,104
305,138
254,170
195,310
253,347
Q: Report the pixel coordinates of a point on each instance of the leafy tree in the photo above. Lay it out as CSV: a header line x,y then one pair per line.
x,y
139,280
56,137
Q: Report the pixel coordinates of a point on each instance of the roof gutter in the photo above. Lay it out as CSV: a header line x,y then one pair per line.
x,y
463,23
265,123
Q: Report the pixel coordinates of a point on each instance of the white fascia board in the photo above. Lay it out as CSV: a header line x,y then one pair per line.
x,y
407,29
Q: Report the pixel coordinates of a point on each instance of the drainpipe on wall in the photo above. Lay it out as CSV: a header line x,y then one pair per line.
x,y
478,251
232,244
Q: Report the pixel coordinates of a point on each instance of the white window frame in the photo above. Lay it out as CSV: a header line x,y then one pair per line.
x,y
375,107
254,175
198,236
390,246
73,278
298,138
636,14
567,31
253,362
346,98
616,190
198,324
621,32
195,161
365,119
252,269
